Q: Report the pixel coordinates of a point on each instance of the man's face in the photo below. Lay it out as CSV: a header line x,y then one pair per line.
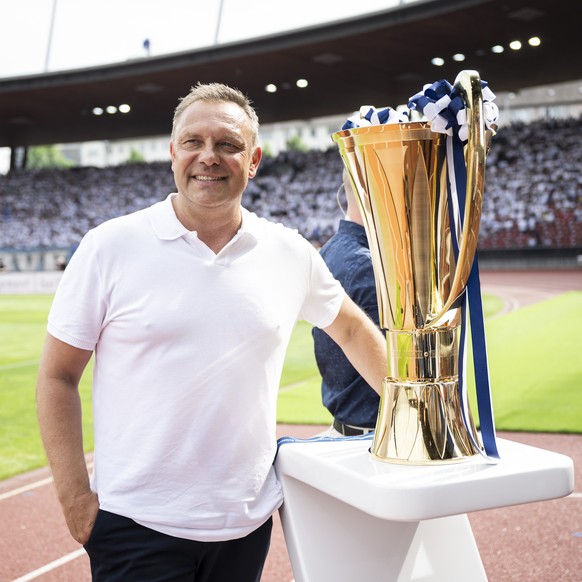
x,y
212,155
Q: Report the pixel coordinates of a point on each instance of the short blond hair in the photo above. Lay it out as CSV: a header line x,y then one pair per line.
x,y
216,93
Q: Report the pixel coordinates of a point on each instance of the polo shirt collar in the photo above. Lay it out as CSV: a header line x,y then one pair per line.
x,y
348,227
167,226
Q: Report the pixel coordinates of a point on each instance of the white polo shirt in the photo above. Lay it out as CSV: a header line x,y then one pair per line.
x,y
189,348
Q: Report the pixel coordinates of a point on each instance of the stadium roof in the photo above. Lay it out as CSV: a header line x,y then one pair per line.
x,y
380,59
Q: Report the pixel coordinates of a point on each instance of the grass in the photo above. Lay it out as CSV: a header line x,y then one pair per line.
x,y
22,331
536,368
536,374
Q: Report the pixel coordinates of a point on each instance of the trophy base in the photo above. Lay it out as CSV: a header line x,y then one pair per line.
x,y
422,423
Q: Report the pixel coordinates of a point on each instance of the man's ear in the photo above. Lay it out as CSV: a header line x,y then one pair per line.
x,y
255,161
172,153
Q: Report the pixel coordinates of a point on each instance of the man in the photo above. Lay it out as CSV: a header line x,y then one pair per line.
x,y
349,398
188,307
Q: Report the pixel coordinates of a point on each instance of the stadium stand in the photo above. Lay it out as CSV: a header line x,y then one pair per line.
x,y
533,191
532,199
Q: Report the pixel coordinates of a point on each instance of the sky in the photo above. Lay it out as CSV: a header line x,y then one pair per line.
x,y
88,33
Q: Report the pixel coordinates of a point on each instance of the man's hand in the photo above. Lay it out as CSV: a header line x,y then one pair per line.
x,y
80,515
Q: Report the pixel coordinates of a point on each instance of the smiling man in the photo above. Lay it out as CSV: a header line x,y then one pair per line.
x,y
187,307
214,153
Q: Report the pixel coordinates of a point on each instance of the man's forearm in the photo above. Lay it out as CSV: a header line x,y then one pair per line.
x,y
61,428
60,422
366,351
362,342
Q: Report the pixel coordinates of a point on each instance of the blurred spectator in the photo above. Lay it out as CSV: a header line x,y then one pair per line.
x,y
533,187
533,193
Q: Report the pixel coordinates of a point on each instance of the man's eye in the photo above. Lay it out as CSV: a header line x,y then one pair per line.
x,y
231,146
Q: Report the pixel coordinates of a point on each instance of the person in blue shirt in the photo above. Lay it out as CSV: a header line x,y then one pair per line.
x,y
351,401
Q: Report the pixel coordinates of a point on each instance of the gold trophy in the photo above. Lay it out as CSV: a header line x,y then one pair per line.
x,y
398,172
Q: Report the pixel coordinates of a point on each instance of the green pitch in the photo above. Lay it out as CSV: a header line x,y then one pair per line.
x,y
535,368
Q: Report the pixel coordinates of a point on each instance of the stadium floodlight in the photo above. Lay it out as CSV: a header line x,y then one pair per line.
x,y
515,45
302,83
534,41
497,49
438,62
459,57
124,108
270,88
97,111
111,109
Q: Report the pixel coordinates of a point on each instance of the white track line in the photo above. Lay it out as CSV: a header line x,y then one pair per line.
x,y
31,486
22,364
510,302
26,488
51,566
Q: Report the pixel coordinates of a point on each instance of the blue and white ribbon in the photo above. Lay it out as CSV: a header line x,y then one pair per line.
x,y
321,439
370,115
442,105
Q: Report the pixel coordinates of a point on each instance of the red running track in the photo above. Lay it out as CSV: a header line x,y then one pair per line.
x,y
537,542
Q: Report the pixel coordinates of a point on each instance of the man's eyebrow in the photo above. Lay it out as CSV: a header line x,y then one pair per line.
x,y
226,135
189,132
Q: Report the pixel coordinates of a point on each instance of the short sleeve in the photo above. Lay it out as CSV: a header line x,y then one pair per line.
x,y
325,295
78,308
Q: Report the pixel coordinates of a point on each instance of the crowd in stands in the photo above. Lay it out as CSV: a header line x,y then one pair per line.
x,y
533,187
533,193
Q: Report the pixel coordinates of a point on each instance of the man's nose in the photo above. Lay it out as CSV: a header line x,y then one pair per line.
x,y
208,155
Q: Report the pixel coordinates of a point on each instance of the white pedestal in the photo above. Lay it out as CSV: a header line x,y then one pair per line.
x,y
348,517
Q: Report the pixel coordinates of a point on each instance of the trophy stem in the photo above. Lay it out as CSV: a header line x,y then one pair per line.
x,y
423,354
421,419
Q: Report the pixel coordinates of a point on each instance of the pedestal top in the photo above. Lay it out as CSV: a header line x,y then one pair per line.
x,y
345,470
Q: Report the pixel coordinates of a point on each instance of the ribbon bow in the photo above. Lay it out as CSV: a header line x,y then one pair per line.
x,y
370,115
442,105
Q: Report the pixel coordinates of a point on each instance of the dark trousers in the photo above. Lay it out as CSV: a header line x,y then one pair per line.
x,y
121,550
